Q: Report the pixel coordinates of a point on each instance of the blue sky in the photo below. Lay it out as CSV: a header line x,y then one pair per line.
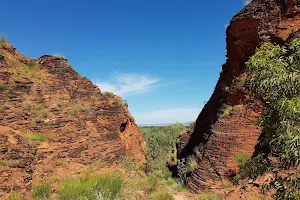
x,y
162,56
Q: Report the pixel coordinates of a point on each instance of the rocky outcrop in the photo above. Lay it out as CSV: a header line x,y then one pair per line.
x,y
54,122
227,124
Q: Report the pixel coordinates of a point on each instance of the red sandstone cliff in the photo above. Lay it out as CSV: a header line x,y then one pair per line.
x,y
221,137
77,124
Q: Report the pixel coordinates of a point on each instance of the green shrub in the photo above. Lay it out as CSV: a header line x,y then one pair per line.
x,y
35,136
1,53
63,162
209,195
191,125
43,113
161,195
172,160
106,187
6,45
175,184
134,185
286,188
170,181
3,42
128,163
99,164
236,179
240,82
109,94
77,188
226,112
6,162
78,107
254,167
241,158
41,191
227,184
191,163
152,183
162,173
16,196
110,186
198,150
250,167
115,100
182,170
275,80
21,70
31,64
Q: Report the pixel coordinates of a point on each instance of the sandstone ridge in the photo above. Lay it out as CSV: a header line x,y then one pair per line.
x,y
227,124
54,121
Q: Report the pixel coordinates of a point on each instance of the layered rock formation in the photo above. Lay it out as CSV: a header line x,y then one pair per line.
x,y
227,124
53,122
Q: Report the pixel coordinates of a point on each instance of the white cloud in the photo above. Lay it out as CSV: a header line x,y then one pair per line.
x,y
58,54
247,2
127,84
171,115
226,25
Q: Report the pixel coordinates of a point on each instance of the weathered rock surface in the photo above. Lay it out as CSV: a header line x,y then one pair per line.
x,y
82,124
222,136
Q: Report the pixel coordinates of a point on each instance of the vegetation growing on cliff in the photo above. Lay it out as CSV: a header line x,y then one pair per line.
x,y
35,136
276,80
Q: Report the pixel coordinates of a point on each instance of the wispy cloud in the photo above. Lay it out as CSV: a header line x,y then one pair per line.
x,y
58,54
127,84
226,25
247,2
171,115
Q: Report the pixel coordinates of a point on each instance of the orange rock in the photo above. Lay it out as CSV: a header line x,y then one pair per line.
x,y
222,137
55,122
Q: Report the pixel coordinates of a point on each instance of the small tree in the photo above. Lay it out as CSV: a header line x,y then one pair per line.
x,y
276,80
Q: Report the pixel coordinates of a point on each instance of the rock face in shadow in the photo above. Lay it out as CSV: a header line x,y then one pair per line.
x,y
53,122
227,124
